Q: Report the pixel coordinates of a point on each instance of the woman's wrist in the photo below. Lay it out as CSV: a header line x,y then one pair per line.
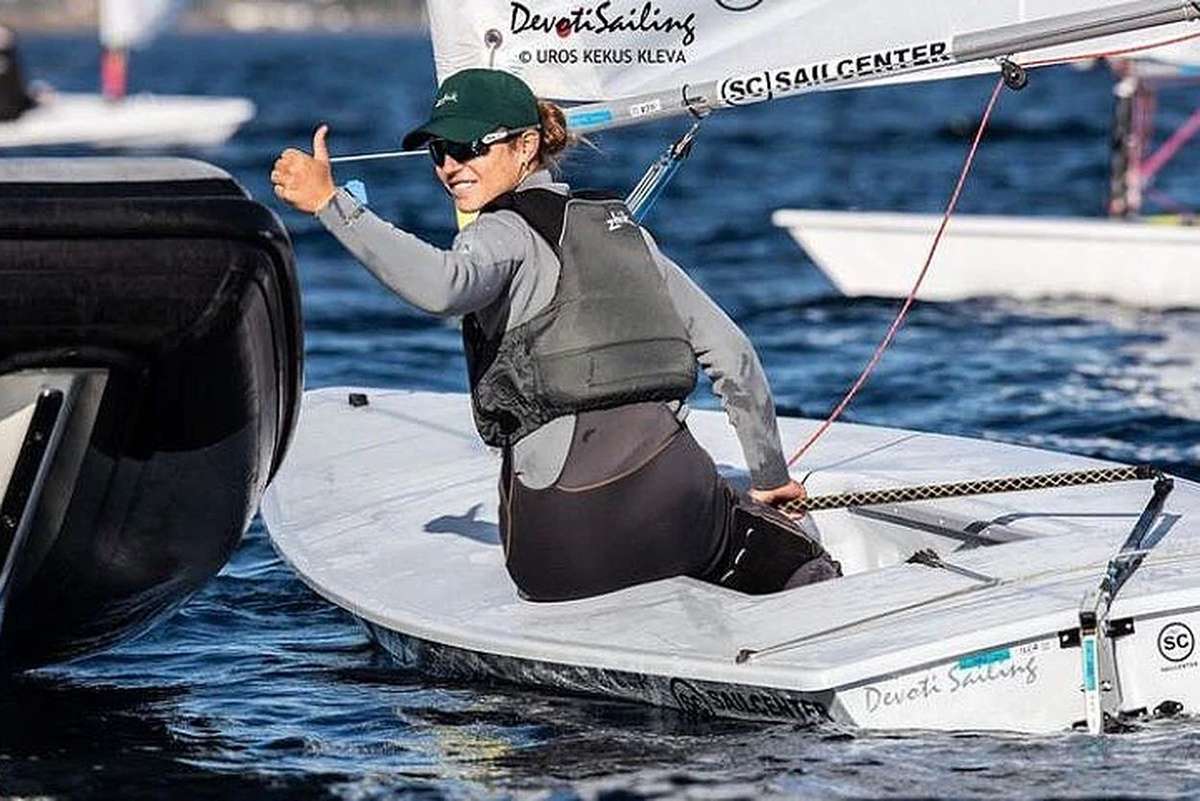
x,y
324,204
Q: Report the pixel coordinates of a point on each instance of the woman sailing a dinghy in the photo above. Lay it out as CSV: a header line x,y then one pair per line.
x,y
582,340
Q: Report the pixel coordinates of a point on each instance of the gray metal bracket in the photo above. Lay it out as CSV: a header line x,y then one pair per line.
x,y
28,477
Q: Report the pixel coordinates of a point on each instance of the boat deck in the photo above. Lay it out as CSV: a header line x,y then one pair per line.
x,y
389,511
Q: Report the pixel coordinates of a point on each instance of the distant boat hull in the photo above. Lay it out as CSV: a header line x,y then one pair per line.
x,y
136,121
880,254
152,326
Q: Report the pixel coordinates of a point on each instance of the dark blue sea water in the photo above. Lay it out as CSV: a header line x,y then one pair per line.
x,y
258,689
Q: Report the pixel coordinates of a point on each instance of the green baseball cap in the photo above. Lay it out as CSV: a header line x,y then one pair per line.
x,y
475,102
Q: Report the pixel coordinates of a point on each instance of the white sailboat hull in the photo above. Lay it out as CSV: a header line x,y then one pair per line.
x,y
389,511
136,121
879,254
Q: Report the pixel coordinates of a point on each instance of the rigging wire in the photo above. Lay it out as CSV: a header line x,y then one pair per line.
x,y
950,208
391,154
648,190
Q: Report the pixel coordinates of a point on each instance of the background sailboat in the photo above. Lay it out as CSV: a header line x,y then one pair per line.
x,y
115,119
1141,261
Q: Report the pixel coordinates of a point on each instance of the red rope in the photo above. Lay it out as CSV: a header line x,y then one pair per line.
x,y
1125,51
912,296
962,179
1170,148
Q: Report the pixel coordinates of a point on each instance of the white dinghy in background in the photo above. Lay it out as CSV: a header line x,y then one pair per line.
x,y
389,510
134,121
878,254
128,121
1127,258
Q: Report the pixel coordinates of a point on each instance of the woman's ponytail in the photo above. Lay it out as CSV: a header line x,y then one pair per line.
x,y
555,138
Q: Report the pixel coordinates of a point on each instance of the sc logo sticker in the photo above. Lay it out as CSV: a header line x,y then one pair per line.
x,y
691,701
1176,642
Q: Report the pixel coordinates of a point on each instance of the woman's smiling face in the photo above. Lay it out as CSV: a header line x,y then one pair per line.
x,y
480,180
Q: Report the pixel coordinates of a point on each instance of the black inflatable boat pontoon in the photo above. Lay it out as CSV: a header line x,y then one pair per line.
x,y
150,379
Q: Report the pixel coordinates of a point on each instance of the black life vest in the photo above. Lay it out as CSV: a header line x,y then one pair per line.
x,y
609,336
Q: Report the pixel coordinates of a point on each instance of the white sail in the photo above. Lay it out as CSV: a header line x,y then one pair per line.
x,y
668,54
125,24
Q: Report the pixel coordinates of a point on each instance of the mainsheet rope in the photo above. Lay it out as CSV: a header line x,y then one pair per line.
x,y
894,328
972,488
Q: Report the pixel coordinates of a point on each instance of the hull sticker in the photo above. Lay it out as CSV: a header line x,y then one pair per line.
x,y
988,670
738,702
1176,644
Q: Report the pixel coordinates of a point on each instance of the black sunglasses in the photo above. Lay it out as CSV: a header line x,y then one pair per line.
x,y
462,152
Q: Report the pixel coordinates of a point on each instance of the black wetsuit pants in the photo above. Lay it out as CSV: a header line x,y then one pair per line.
x,y
640,500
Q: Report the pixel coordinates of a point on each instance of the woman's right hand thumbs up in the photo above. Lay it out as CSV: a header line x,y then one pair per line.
x,y
305,181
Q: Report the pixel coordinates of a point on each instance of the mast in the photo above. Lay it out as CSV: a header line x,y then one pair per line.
x,y
1133,110
961,49
114,73
126,25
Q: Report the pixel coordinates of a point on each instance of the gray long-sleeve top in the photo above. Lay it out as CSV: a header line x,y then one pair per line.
x,y
502,270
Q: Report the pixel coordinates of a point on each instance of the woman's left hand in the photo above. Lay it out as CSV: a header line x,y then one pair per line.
x,y
303,181
791,491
